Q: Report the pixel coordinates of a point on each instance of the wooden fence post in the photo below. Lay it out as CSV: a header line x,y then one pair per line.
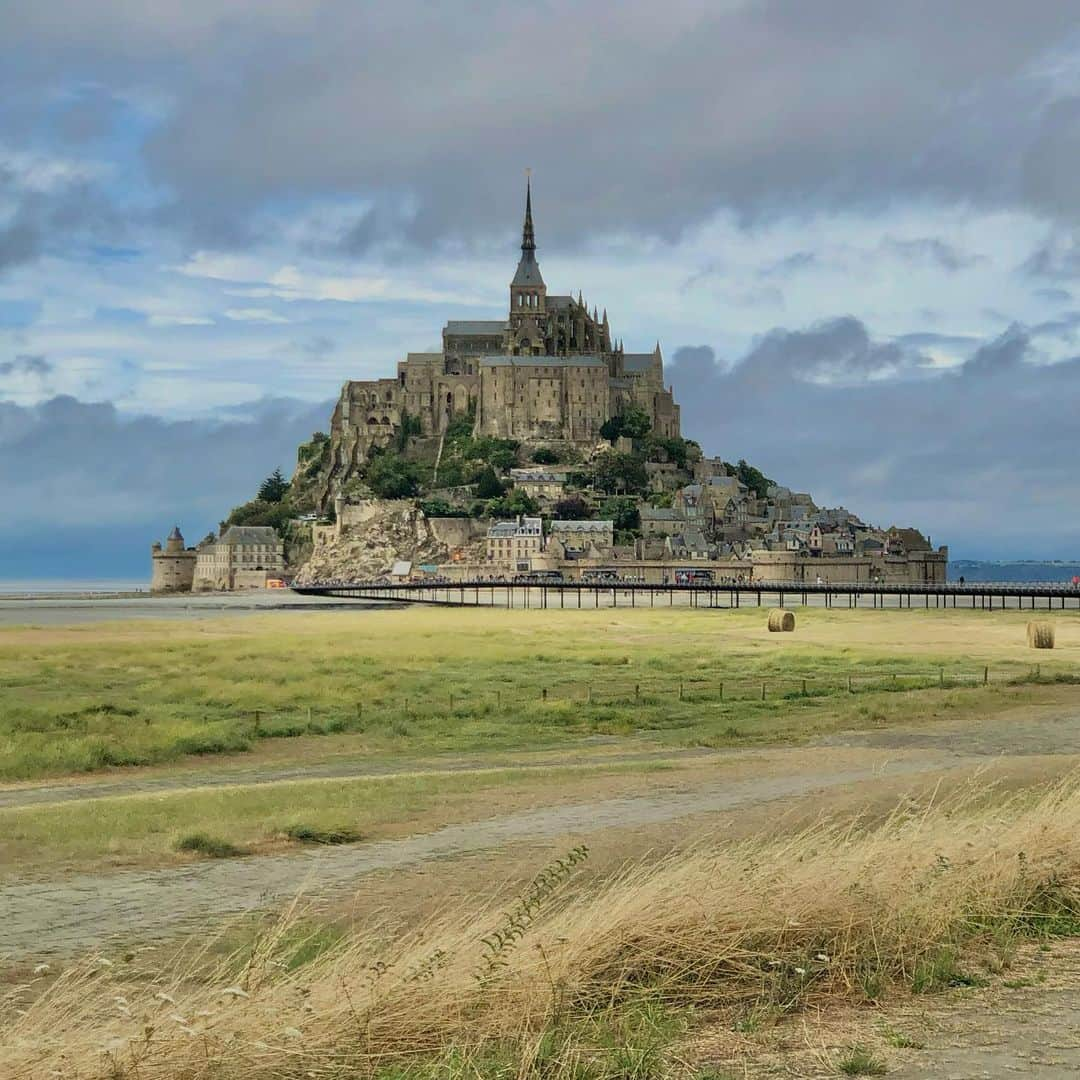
x,y
941,677
986,675
804,688
762,691
257,720
721,690
637,693
850,688
681,698
543,694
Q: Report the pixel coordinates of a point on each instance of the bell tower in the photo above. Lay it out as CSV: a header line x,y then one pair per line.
x,y
528,294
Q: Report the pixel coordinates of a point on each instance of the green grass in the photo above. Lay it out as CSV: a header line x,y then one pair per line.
x,y
83,699
211,846
858,1061
148,828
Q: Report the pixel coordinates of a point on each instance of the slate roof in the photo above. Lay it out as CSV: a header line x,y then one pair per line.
x,y
475,327
528,271
250,534
636,363
541,361
583,526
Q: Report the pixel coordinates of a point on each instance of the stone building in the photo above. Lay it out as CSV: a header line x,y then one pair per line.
x,y
172,567
512,545
577,536
549,371
244,557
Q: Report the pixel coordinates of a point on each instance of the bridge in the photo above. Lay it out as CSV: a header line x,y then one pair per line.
x,y
989,596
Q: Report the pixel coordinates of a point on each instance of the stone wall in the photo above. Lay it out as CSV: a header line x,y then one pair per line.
x,y
172,571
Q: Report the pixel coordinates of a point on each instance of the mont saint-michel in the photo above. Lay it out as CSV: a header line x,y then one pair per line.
x,y
531,444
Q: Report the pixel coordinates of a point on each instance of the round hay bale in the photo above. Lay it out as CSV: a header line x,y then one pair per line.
x,y
781,621
1040,635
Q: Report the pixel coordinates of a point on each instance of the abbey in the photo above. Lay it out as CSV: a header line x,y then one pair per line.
x,y
550,371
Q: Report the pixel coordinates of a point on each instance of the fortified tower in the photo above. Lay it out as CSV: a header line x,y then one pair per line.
x,y
173,568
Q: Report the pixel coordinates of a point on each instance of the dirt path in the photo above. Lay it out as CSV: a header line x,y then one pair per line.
x,y
87,912
63,791
1026,1022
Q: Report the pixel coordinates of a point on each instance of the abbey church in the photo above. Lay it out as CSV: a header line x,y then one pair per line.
x,y
549,372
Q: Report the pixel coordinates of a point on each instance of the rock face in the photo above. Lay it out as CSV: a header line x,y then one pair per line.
x,y
370,537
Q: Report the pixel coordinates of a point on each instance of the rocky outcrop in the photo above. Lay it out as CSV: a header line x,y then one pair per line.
x,y
371,536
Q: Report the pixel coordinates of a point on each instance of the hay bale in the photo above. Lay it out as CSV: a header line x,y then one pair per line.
x,y
1040,635
781,621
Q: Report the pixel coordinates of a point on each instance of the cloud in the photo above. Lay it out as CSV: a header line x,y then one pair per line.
x,y
1001,355
94,468
930,249
986,464
425,116
26,365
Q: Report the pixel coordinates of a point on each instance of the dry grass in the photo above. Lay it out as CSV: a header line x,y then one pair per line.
x,y
1040,635
832,911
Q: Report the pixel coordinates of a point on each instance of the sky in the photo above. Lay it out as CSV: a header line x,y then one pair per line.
x,y
853,227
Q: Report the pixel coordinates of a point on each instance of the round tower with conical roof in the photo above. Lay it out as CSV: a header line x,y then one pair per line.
x,y
172,567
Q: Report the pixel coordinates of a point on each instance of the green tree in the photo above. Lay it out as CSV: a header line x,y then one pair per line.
x,y
487,484
392,477
544,455
511,504
633,423
753,478
660,447
260,512
623,512
274,488
615,472
572,508
440,508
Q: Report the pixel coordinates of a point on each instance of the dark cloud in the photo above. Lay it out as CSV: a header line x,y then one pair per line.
x,y
930,249
1057,258
93,467
833,351
1003,354
430,114
20,242
985,464
26,364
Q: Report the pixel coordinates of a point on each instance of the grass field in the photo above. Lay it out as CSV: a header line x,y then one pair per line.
x,y
594,969
267,818
588,980
81,699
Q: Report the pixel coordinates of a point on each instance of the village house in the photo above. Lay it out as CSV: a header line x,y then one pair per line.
x,y
511,545
244,557
546,484
579,536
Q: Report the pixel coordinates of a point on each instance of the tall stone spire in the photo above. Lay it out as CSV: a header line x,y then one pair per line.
x,y
528,238
528,270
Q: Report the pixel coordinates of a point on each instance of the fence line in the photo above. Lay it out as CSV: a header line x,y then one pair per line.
x,y
646,691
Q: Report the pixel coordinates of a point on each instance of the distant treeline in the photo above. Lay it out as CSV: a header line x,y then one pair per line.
x,y
973,570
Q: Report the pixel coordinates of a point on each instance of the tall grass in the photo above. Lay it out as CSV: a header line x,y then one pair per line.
x,y
602,968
